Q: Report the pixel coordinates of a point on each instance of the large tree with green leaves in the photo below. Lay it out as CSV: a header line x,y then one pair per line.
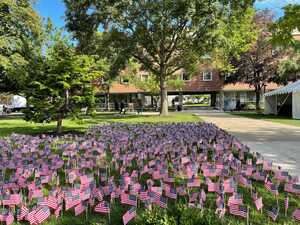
x,y
164,36
258,66
64,83
283,29
20,43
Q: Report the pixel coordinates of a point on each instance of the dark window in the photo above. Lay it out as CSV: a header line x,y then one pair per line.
x,y
207,76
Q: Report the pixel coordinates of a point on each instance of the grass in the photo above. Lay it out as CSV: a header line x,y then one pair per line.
x,y
197,104
271,118
11,125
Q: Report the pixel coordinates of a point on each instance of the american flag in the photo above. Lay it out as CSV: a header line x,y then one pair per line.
x,y
273,213
144,194
296,214
79,209
42,214
128,199
9,219
245,182
286,202
235,199
162,202
267,165
181,190
292,188
102,207
238,210
13,199
57,211
72,201
193,182
23,211
273,188
282,175
31,217
259,175
258,203
129,215
229,186
171,193
203,195
52,202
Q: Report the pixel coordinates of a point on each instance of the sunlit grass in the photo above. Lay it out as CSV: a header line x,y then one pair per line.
x,y
9,126
271,118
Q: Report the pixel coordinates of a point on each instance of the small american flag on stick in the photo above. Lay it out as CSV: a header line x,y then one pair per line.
x,y
129,215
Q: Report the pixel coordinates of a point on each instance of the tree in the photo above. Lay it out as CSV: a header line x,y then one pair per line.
x,y
288,70
258,65
20,43
64,84
164,36
282,30
149,83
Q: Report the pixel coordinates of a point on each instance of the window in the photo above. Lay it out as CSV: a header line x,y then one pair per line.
x,y
185,76
124,80
144,77
207,76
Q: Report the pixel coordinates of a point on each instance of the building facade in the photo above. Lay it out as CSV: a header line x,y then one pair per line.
x,y
207,81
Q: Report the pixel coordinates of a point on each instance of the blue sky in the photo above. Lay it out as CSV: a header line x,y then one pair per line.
x,y
55,8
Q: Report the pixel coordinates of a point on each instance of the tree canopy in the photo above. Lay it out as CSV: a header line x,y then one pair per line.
x,y
20,43
164,36
64,84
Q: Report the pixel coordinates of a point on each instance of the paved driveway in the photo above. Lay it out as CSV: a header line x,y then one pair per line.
x,y
277,142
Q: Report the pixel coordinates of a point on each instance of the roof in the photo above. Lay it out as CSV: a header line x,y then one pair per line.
x,y
239,86
293,87
117,88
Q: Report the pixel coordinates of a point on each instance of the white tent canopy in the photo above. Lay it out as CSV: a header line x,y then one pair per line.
x,y
293,87
271,99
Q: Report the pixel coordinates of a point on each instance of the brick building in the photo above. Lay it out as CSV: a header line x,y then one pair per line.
x,y
207,82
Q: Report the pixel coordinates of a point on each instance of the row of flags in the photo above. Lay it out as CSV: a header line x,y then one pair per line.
x,y
134,163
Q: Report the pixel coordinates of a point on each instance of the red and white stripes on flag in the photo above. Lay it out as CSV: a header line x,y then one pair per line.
x,y
273,188
238,210
31,218
22,213
129,215
296,214
235,199
292,188
57,211
52,202
286,203
42,214
258,203
128,199
79,209
102,207
9,219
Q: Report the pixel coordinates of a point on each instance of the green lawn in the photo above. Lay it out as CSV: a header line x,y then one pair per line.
x,y
197,104
9,126
272,118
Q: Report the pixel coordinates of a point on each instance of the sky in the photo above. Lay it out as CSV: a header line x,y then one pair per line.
x,y
55,8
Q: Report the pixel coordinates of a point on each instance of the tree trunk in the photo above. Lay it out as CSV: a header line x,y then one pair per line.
x,y
163,96
59,125
257,100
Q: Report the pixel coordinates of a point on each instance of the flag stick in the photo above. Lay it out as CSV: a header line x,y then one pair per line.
x,y
247,215
86,213
109,217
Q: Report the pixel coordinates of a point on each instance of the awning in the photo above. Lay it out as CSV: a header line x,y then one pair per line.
x,y
290,88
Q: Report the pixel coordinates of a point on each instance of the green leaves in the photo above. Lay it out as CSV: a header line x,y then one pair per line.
x,y
20,43
64,83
